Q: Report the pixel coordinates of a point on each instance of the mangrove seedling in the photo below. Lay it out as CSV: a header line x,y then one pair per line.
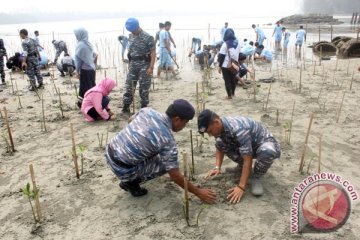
x,y
31,195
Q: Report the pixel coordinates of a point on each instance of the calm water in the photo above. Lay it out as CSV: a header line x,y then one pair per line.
x,y
104,32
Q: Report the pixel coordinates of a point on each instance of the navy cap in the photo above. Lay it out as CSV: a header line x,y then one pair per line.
x,y
132,24
181,108
204,120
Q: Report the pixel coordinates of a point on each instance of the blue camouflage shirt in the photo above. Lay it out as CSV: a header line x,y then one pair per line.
x,y
148,135
244,135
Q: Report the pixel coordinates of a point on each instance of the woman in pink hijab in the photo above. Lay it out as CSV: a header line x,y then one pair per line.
x,y
95,105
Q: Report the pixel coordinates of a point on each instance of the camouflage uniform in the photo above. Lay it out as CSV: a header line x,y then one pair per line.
x,y
244,137
145,149
60,46
140,48
32,61
2,55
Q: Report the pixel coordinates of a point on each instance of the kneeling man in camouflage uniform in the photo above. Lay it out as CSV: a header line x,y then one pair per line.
x,y
146,149
241,139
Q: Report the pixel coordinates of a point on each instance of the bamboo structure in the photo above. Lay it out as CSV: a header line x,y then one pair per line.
x,y
74,155
302,160
9,130
36,190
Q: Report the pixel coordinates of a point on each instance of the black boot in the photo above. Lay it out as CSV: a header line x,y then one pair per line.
x,y
134,188
126,108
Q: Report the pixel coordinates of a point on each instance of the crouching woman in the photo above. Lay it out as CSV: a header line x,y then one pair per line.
x,y
95,105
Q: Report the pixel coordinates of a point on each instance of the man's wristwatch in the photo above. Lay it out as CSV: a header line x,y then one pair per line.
x,y
216,168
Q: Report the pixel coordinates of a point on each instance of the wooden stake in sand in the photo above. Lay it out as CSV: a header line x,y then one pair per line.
x,y
268,96
36,190
352,79
291,121
186,193
43,112
75,157
9,130
277,117
319,159
197,99
300,80
192,153
60,103
339,111
18,95
302,160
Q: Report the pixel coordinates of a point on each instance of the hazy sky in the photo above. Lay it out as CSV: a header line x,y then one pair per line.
x,y
248,8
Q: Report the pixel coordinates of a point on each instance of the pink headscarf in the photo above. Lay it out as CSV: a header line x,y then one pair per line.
x,y
105,86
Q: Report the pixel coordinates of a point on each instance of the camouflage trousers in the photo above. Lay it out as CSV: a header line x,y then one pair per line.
x,y
2,71
264,155
137,72
145,171
33,70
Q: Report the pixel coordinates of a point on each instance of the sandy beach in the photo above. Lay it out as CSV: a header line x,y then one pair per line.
x,y
94,207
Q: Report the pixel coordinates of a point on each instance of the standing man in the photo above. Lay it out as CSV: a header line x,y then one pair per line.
x,y
286,37
2,55
141,57
146,149
300,37
278,35
165,50
241,139
60,46
260,35
37,40
124,41
223,30
30,60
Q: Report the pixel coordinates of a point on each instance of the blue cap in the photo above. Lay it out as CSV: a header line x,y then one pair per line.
x,y
132,24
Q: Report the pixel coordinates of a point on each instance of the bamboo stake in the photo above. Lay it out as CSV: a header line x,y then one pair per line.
x,y
254,83
277,117
342,101
9,130
197,99
18,95
60,102
192,152
352,79
12,85
74,151
300,79
268,96
186,194
37,201
319,159
43,112
305,144
291,121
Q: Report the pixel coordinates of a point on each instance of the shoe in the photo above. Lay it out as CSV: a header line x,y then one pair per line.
x,y
41,85
125,109
31,88
143,106
236,169
257,188
134,188
62,75
3,83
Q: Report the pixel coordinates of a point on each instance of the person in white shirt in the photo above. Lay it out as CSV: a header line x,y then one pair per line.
x,y
300,37
229,52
